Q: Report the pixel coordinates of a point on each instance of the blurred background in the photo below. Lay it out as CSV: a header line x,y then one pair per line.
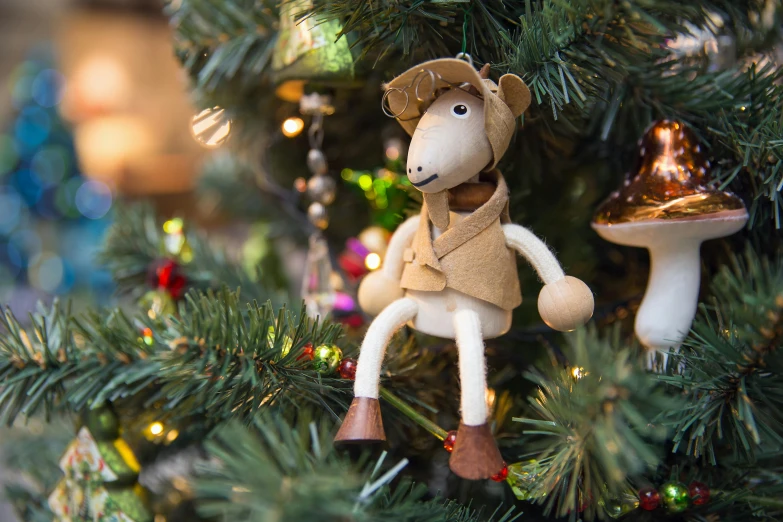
x,y
93,108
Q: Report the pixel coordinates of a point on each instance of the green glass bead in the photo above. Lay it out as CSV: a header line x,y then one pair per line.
x,y
326,358
675,497
522,477
618,507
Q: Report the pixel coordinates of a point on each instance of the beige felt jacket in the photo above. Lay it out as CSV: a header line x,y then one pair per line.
x,y
471,256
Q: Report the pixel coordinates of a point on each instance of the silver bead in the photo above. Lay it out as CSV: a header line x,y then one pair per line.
x,y
317,215
321,189
316,162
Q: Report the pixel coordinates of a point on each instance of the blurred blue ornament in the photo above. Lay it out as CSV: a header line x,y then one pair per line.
x,y
47,88
46,206
9,157
50,164
32,126
93,199
11,205
28,185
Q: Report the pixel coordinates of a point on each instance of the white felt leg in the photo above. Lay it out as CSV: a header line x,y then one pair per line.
x,y
472,367
368,368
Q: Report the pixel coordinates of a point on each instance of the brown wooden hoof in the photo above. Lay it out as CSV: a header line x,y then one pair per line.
x,y
476,455
362,423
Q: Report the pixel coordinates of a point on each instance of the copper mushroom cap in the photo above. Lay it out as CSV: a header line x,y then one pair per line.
x,y
667,191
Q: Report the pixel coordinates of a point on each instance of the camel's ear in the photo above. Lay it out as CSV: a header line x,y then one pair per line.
x,y
514,93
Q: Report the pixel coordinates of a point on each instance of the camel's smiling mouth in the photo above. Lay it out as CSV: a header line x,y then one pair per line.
x,y
422,183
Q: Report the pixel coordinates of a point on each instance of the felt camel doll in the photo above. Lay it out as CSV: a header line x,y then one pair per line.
x,y
451,271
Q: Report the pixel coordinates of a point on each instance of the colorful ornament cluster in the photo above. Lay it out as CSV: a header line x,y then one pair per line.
x,y
165,276
100,477
672,497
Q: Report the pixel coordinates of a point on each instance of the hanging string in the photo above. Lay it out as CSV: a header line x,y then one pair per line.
x,y
465,18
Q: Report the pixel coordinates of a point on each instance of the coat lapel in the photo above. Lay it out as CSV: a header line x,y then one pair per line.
x,y
473,224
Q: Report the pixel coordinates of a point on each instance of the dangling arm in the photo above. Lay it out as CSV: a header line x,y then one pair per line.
x,y
400,240
565,302
380,288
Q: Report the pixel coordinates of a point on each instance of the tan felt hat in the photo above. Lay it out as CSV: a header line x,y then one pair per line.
x,y
409,94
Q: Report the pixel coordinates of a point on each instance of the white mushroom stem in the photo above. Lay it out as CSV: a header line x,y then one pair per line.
x,y
669,304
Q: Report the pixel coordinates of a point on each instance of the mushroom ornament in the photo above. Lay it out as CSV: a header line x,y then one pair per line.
x,y
667,207
451,271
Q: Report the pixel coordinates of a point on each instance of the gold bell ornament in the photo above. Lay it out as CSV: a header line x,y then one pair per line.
x,y
667,206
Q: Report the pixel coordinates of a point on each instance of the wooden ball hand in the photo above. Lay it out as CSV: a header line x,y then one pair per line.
x,y
451,271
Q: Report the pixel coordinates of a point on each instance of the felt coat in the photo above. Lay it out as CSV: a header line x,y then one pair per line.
x,y
471,256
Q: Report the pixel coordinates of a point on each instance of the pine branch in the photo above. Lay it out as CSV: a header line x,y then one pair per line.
x,y
276,471
135,241
593,425
215,360
734,372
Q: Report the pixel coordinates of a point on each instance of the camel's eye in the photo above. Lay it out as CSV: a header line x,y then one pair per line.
x,y
460,111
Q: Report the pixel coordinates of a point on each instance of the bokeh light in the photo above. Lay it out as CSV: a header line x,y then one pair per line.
x,y
292,127
50,164
28,185
372,261
46,271
9,157
93,199
32,126
47,88
11,213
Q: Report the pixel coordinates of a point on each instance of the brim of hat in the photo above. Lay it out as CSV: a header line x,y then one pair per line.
x,y
402,99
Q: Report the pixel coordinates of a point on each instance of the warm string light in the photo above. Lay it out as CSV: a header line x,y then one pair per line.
x,y
292,127
372,261
156,428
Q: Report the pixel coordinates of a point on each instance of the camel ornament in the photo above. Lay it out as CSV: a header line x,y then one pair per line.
x,y
451,271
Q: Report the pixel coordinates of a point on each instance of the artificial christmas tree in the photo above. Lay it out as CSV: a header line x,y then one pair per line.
x,y
254,394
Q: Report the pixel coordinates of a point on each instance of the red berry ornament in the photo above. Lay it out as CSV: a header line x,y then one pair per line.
x,y
649,499
449,441
700,493
165,274
347,368
501,475
307,352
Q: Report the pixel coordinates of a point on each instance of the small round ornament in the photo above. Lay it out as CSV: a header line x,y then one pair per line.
x,y
307,352
649,499
158,304
165,274
326,358
316,162
321,189
317,215
347,368
675,497
450,440
501,475
211,127
699,492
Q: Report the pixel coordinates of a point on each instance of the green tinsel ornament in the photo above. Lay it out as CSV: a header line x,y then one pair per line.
x,y
675,497
617,507
326,358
